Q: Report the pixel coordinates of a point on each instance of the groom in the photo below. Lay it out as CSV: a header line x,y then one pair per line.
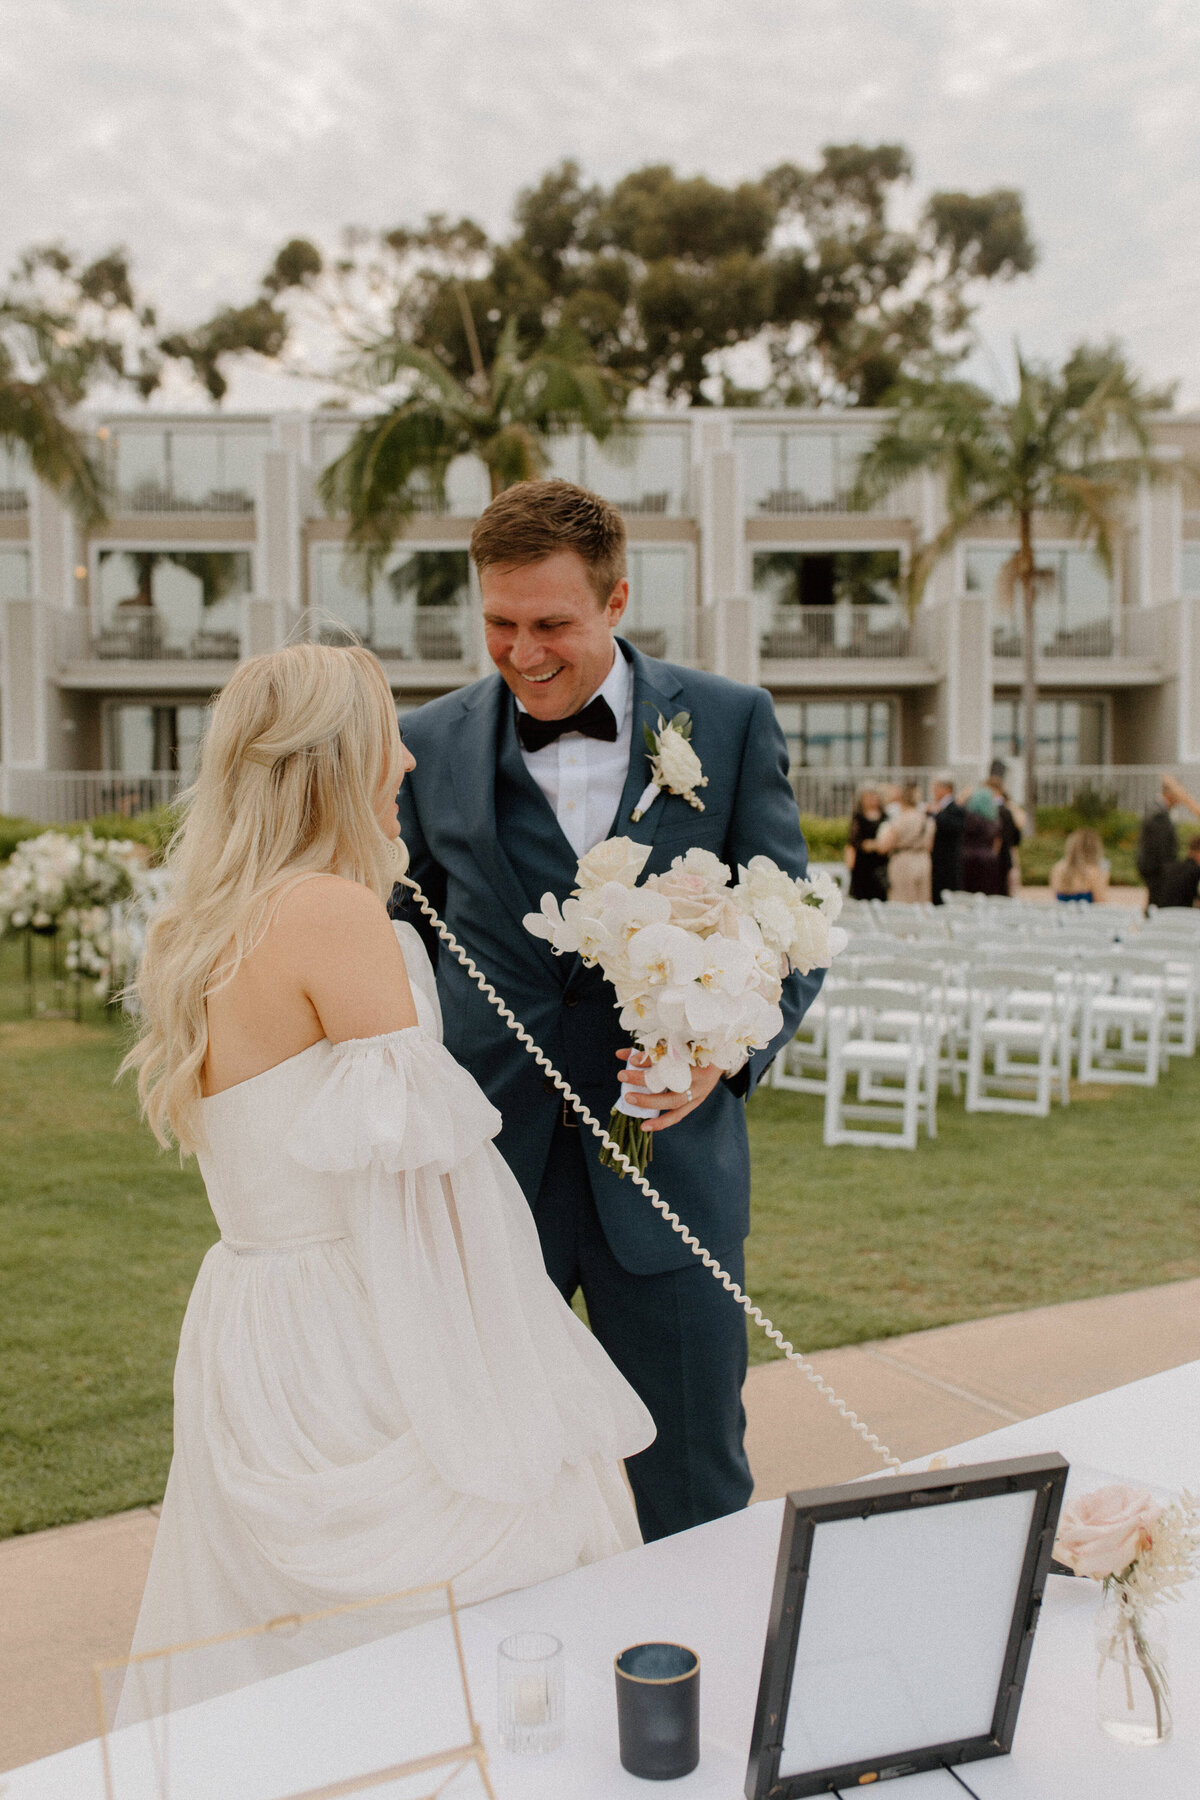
x,y
516,778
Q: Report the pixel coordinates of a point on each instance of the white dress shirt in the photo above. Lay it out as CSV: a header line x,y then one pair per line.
x,y
583,778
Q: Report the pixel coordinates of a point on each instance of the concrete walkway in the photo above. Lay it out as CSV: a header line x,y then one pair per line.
x,y
69,1598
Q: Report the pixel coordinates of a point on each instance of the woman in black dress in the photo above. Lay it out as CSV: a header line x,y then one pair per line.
x,y
867,865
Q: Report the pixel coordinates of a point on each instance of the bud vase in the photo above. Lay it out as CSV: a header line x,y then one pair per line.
x,y
1133,1696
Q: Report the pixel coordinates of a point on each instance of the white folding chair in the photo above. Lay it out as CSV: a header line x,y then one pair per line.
x,y
1016,1040
801,1067
1121,1033
884,1048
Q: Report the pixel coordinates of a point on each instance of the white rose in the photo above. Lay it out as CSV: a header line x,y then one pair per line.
x,y
676,765
705,864
616,859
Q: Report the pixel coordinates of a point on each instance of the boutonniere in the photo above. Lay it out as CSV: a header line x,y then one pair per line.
x,y
674,765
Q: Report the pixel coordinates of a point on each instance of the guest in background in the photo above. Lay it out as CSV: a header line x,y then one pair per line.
x,y
947,816
1082,872
906,840
1012,827
1179,882
864,859
981,870
1158,861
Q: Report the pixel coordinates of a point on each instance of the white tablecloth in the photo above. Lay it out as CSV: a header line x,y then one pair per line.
x,y
710,1588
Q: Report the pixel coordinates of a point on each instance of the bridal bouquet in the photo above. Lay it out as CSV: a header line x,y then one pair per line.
x,y
697,961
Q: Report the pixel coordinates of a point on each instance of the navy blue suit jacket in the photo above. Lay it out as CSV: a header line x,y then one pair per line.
x,y
459,856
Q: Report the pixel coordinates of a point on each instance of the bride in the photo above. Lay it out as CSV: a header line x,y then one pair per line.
x,y
378,1387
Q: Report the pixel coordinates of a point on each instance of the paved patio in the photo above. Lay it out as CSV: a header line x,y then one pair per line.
x,y
69,1598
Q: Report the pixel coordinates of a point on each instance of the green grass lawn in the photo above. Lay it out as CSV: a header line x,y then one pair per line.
x,y
101,1235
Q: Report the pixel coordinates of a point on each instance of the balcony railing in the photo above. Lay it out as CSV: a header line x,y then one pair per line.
x,y
149,497
805,633
14,500
142,637
1126,632
67,796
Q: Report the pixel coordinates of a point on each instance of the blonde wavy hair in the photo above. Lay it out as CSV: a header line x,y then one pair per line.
x,y
300,746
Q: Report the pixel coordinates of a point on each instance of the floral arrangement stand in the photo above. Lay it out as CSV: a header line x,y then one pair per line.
x,y
83,893
1142,1553
59,978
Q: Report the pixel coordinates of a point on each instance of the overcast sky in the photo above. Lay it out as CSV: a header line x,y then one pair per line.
x,y
201,135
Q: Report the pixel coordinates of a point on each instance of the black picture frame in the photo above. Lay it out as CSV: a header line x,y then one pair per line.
x,y
1044,1475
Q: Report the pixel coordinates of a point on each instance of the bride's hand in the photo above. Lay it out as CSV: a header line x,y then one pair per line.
x,y
672,1107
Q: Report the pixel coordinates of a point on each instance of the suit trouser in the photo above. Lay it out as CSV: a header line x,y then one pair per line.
x,y
678,1338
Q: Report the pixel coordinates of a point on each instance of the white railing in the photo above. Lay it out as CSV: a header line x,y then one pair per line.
x,y
67,796
829,793
149,497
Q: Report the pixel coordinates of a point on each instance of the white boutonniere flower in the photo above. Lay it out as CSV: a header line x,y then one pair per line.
x,y
674,765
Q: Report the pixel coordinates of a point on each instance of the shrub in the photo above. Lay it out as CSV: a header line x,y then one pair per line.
x,y
14,832
826,838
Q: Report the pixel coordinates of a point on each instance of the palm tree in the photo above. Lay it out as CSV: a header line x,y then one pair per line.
x,y
34,408
502,415
1074,442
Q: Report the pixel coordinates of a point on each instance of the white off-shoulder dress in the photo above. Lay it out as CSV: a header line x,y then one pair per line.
x,y
378,1386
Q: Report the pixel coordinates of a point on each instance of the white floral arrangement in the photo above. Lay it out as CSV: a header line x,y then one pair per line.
x,y
1143,1553
80,884
696,961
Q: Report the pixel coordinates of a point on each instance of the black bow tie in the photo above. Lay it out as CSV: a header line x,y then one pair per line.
x,y
596,721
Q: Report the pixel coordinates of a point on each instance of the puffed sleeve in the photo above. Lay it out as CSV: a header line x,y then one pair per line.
x,y
399,1100
501,1383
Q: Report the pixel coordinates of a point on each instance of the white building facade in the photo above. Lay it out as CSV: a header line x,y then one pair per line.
x,y
746,557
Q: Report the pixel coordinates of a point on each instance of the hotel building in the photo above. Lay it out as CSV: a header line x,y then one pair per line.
x,y
745,557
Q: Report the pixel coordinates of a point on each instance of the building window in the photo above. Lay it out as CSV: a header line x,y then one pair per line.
x,y
838,734
1070,733
14,574
1077,598
659,616
153,739
1190,569
171,602
418,607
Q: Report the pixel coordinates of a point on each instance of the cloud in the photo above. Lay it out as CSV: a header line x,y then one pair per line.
x,y
203,136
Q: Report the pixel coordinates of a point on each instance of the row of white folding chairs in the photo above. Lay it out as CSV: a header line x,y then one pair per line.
x,y
899,1028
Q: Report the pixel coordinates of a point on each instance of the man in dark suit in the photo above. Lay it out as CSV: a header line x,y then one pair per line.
x,y
516,778
947,816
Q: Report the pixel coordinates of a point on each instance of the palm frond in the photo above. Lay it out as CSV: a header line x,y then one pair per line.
x,y
30,417
375,480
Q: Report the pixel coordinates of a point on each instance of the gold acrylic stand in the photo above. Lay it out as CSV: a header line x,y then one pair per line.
x,y
162,1712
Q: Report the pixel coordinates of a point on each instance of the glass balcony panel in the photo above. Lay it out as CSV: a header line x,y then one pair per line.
x,y
1076,613
171,604
193,469
660,614
418,608
842,603
641,470
14,479
1190,569
14,574
799,471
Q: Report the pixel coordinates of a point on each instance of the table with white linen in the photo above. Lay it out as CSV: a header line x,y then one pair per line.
x,y
710,1588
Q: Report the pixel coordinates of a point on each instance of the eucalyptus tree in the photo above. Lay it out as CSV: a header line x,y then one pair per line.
x,y
504,412
1074,442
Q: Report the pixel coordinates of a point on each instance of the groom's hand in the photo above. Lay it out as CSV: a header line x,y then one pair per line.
x,y
673,1107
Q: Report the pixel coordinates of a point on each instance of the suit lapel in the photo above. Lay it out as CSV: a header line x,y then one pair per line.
x,y
654,691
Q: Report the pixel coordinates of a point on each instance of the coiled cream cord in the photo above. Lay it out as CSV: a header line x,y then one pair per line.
x,y
655,1198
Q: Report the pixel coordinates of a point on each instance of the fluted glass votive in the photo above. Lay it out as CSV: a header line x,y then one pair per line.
x,y
531,1693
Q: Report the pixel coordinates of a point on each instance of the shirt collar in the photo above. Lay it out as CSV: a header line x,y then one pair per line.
x,y
616,687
